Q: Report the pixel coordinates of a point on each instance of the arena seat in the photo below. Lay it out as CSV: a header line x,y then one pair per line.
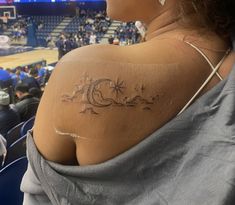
x,y
10,180
15,151
13,134
27,126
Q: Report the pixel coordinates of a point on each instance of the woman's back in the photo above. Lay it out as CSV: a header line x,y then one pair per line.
x,y
102,100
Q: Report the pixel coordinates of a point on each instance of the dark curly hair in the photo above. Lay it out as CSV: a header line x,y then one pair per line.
x,y
216,15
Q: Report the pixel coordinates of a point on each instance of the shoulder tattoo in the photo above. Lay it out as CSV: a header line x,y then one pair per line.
x,y
90,93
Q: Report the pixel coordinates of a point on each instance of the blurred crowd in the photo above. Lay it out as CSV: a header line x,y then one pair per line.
x,y
17,29
20,92
91,27
125,34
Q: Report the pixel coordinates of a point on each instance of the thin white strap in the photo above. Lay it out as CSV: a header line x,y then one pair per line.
x,y
205,83
206,58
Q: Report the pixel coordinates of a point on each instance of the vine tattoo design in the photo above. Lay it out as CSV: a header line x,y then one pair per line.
x,y
88,92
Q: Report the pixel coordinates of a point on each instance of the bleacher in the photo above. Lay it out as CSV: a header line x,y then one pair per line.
x,y
46,24
90,25
73,26
8,31
92,22
14,159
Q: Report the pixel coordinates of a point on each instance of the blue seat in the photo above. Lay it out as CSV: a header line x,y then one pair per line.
x,y
13,134
27,126
10,180
15,151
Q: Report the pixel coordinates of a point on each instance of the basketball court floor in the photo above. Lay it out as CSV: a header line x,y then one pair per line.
x,y
25,58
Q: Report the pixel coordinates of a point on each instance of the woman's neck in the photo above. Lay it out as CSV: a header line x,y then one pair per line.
x,y
164,23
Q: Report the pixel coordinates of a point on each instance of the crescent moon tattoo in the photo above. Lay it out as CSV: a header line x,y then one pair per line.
x,y
95,99
92,91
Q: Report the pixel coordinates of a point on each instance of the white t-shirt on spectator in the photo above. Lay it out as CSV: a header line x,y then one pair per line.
x,y
92,39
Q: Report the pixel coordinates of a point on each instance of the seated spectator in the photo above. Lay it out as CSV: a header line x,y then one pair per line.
x,y
8,117
110,39
31,79
21,73
6,83
116,41
13,75
42,72
36,92
5,79
92,39
28,104
50,42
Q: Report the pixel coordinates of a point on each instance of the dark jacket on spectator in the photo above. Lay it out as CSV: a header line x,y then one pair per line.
x,y
31,82
27,107
8,119
61,47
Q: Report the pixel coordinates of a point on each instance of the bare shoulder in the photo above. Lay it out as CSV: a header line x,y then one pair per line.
x,y
101,100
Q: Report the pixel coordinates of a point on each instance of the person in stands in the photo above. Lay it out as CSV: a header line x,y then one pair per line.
x,y
5,79
8,117
110,39
27,104
151,123
31,79
36,92
13,76
6,83
21,74
42,72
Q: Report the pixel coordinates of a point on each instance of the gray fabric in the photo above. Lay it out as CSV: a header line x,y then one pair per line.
x,y
3,143
189,161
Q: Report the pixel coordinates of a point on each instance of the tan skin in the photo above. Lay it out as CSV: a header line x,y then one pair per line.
x,y
163,65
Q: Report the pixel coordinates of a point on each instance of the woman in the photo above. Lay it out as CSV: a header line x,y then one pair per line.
x,y
103,103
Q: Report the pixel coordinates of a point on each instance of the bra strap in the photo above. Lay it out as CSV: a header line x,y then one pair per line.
x,y
215,70
206,58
